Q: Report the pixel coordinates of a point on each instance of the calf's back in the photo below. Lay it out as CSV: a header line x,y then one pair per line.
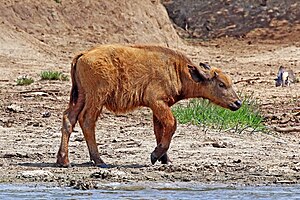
x,y
126,77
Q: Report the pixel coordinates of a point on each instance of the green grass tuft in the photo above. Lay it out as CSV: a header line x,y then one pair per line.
x,y
53,75
202,112
24,80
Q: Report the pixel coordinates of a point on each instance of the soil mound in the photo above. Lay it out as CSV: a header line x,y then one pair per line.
x,y
55,25
214,18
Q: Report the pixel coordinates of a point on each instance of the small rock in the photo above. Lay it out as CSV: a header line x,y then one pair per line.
x,y
14,108
186,179
149,178
46,114
114,141
237,161
6,122
35,94
220,144
36,174
119,174
79,139
285,120
103,174
37,124
15,155
296,167
270,117
39,94
80,185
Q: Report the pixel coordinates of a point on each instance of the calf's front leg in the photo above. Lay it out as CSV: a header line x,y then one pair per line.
x,y
158,131
164,128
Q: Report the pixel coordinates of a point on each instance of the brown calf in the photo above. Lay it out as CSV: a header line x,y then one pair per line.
x,y
122,78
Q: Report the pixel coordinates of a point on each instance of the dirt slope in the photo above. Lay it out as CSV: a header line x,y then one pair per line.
x,y
76,24
214,18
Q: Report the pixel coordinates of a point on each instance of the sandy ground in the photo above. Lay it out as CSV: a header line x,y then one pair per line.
x,y
45,36
30,120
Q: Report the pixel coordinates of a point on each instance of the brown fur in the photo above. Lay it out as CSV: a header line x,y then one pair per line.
x,y
122,78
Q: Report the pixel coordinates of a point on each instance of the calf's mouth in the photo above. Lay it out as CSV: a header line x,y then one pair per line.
x,y
235,105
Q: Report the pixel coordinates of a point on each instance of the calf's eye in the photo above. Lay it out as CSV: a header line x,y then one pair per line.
x,y
222,85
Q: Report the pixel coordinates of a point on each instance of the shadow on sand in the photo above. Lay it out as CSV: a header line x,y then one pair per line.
x,y
86,164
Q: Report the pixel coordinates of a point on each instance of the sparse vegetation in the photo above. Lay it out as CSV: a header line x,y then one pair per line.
x,y
53,75
24,80
202,112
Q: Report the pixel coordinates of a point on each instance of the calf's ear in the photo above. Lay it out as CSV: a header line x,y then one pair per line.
x,y
205,66
197,74
216,74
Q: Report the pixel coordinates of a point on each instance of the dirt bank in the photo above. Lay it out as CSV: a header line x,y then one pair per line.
x,y
213,18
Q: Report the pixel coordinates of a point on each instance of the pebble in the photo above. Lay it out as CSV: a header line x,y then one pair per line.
x,y
46,114
36,174
14,108
220,144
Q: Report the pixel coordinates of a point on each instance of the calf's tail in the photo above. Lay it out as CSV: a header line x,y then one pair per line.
x,y
74,90
77,98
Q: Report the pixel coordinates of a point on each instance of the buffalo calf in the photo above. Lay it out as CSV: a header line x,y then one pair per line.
x,y
122,78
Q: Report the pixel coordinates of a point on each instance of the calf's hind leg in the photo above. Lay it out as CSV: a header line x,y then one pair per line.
x,y
68,122
87,120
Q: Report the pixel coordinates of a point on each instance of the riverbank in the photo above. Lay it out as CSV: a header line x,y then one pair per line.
x,y
151,191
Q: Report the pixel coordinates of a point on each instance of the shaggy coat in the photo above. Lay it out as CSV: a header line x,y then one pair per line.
x,y
122,78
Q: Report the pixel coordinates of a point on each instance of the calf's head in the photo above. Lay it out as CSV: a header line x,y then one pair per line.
x,y
214,85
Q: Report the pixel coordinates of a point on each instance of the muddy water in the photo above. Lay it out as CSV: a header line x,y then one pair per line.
x,y
151,191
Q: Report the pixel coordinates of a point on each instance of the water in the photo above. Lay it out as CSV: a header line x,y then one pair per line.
x,y
151,191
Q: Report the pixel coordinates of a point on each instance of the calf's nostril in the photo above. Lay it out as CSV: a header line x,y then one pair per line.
x,y
238,103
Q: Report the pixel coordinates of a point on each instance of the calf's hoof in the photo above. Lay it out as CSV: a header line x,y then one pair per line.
x,y
63,162
153,158
160,154
164,159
